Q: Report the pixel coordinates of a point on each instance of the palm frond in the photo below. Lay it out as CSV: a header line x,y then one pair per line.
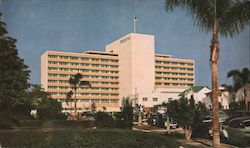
x,y
235,18
75,80
233,73
85,83
232,16
69,96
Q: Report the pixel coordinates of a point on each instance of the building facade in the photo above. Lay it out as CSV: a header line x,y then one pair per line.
x,y
128,68
223,98
199,94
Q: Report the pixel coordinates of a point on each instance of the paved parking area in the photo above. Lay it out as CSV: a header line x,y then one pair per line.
x,y
197,142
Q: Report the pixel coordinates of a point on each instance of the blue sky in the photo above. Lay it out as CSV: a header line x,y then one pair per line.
x,y
79,25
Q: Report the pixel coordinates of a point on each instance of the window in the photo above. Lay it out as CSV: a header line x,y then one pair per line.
x,y
155,99
236,124
247,123
145,99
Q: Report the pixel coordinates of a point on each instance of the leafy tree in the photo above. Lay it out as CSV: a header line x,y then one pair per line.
x,y
75,82
50,109
14,75
186,113
224,17
125,118
47,108
240,79
104,120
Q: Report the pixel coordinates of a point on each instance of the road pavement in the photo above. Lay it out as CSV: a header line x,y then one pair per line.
x,y
196,142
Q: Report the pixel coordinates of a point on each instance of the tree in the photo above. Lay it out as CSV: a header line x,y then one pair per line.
x,y
224,17
14,75
47,108
50,109
186,113
75,82
69,99
125,118
240,79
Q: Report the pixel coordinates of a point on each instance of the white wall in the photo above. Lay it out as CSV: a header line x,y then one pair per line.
x,y
136,65
44,70
122,47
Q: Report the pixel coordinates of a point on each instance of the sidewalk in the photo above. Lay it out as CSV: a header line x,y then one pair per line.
x,y
196,142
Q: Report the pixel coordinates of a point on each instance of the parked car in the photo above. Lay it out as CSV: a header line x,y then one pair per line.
x,y
172,124
160,120
202,130
152,120
88,115
238,131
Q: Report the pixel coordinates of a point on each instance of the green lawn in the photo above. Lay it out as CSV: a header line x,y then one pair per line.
x,y
102,138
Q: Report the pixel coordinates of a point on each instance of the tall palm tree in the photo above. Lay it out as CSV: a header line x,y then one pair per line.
x,y
240,79
68,99
75,82
224,17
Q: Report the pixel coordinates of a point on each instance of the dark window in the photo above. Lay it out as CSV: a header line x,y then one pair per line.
x,y
236,124
155,99
247,123
144,99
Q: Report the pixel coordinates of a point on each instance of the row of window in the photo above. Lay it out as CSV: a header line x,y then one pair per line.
x,y
93,100
82,64
91,76
81,70
172,73
82,88
67,82
173,84
84,94
174,68
81,58
173,63
179,79
146,99
58,81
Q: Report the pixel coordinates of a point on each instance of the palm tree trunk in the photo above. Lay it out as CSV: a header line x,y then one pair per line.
x,y
214,57
75,106
245,99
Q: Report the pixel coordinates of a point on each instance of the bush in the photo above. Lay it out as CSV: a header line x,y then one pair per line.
x,y
124,119
104,120
85,138
67,124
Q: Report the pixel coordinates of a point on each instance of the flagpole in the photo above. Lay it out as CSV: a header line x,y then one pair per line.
x,y
134,24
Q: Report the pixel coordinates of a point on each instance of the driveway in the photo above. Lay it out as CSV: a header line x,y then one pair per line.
x,y
193,143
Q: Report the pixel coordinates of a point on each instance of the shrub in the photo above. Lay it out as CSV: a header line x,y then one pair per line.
x,y
124,119
85,138
104,120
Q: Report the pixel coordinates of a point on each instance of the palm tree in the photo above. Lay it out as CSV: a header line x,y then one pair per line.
x,y
68,99
224,17
75,82
240,79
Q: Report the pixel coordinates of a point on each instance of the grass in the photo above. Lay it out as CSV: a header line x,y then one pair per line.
x,y
92,138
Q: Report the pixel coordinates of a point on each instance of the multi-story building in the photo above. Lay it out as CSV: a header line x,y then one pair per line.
x,y
128,68
100,68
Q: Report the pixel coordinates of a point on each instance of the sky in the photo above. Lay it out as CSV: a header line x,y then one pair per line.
x,y
80,25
